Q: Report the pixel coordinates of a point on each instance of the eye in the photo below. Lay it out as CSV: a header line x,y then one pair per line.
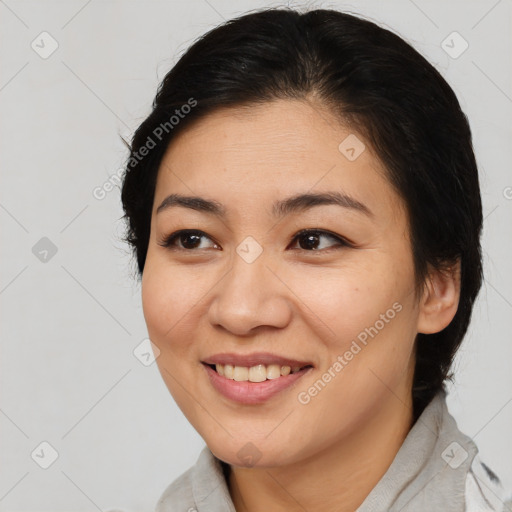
x,y
310,238
189,239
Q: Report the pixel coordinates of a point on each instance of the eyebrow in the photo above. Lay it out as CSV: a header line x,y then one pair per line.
x,y
281,208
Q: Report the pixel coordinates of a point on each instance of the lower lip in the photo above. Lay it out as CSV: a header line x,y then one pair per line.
x,y
252,392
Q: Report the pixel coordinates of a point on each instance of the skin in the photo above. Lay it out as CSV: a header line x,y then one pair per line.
x,y
308,304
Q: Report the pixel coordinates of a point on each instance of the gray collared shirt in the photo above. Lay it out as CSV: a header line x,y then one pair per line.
x,y
436,469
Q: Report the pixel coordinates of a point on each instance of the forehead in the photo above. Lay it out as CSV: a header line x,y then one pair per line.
x,y
281,130
281,148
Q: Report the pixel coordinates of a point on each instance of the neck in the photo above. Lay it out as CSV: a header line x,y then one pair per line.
x,y
337,478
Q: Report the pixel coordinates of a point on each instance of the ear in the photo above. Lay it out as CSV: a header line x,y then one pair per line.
x,y
440,299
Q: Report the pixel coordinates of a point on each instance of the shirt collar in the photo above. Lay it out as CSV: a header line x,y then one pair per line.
x,y
428,472
430,469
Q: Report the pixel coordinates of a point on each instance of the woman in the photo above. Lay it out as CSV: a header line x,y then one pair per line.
x,y
304,207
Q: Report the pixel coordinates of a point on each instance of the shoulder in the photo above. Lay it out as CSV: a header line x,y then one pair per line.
x,y
202,484
178,495
484,490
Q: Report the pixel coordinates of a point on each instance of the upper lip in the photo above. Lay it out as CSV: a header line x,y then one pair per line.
x,y
254,359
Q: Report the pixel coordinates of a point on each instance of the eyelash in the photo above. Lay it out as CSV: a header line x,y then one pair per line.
x,y
168,241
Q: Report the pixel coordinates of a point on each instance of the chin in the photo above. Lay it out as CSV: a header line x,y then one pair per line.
x,y
250,454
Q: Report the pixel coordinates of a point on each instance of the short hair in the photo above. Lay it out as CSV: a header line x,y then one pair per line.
x,y
375,83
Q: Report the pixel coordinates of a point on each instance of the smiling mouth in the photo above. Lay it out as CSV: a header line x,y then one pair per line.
x,y
257,373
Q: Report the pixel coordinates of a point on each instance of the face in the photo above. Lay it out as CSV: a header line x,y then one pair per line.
x,y
312,301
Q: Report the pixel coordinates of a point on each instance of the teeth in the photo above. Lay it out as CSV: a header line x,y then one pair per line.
x,y
285,370
241,373
274,371
229,371
258,373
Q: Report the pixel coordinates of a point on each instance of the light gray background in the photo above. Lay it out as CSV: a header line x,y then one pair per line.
x,y
70,324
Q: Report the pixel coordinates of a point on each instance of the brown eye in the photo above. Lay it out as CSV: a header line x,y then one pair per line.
x,y
309,240
189,240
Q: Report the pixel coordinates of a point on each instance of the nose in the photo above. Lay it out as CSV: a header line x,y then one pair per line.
x,y
249,296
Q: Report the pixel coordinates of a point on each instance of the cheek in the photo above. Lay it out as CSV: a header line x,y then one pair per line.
x,y
168,301
169,296
343,302
368,316
156,294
